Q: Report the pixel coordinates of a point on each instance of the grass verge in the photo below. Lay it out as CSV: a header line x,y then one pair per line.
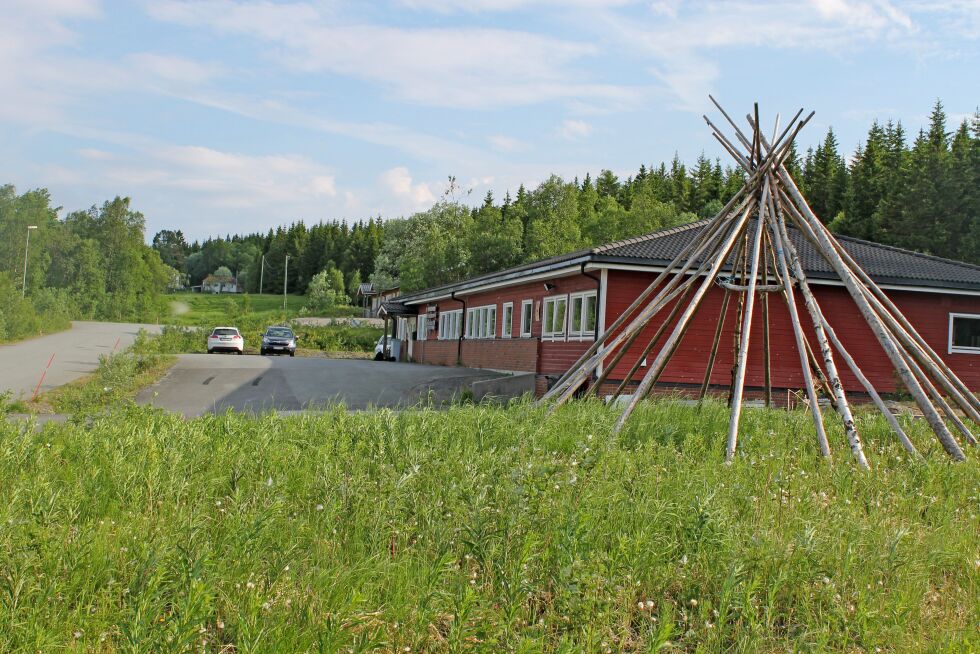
x,y
119,377
482,529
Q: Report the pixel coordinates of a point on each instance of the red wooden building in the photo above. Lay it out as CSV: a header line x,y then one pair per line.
x,y
540,317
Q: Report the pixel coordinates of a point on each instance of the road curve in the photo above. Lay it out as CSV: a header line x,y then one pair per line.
x,y
76,353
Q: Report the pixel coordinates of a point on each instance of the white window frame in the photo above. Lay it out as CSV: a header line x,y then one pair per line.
x,y
527,308
449,322
481,322
548,307
420,327
581,334
953,349
506,322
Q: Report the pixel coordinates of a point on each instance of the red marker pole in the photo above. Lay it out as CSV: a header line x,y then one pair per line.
x,y
41,380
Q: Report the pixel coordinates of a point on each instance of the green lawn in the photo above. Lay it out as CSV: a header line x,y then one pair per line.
x,y
481,530
218,309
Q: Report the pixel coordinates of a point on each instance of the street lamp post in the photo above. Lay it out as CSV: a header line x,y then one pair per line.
x,y
23,288
285,281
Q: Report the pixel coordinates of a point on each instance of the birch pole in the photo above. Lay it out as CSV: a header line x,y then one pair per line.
x,y
743,350
829,253
801,344
833,377
667,294
714,224
681,326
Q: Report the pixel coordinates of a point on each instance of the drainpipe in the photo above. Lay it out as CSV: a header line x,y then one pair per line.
x,y
598,292
462,329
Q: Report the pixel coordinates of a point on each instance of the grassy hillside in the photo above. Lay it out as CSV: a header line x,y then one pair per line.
x,y
480,529
209,308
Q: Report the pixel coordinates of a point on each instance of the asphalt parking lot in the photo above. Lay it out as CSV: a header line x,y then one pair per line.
x,y
212,383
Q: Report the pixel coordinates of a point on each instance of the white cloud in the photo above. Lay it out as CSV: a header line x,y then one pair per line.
x,y
574,130
683,40
217,178
458,67
446,6
398,181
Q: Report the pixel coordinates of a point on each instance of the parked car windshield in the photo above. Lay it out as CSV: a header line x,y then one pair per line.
x,y
279,332
225,332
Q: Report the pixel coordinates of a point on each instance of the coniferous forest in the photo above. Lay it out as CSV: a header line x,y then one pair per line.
x,y
917,191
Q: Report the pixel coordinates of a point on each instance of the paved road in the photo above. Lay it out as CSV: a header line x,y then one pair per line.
x,y
203,383
76,353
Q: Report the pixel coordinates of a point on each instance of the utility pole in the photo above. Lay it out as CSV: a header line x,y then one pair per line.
x,y
285,281
23,288
261,274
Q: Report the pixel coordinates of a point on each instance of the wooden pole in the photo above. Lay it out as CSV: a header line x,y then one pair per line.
x,y
869,387
766,371
580,374
710,229
931,362
810,225
743,351
829,252
682,322
742,264
653,341
719,327
714,345
900,336
801,344
833,377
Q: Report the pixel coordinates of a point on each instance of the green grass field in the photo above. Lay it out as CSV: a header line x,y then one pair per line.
x,y
199,308
481,530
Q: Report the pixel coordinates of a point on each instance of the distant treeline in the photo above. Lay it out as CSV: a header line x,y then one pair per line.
x,y
922,196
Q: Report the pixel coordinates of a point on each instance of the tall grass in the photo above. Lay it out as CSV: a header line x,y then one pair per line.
x,y
480,529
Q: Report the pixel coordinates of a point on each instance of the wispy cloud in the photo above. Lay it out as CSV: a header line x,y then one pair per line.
x,y
684,41
459,67
574,130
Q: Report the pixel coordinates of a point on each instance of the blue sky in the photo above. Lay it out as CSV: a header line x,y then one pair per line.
x,y
224,116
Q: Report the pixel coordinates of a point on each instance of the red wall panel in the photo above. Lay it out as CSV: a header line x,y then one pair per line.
x,y
928,312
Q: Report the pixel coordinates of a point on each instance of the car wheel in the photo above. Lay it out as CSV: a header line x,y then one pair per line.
x,y
261,353
378,357
292,353
210,351
241,352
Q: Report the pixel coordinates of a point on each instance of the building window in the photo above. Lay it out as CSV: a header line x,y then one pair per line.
x,y
582,315
507,320
449,324
527,317
420,328
481,322
555,316
964,333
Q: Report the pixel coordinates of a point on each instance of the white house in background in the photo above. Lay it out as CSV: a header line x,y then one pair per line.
x,y
214,284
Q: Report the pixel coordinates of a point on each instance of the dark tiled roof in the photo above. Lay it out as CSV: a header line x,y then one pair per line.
x,y
396,309
885,264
